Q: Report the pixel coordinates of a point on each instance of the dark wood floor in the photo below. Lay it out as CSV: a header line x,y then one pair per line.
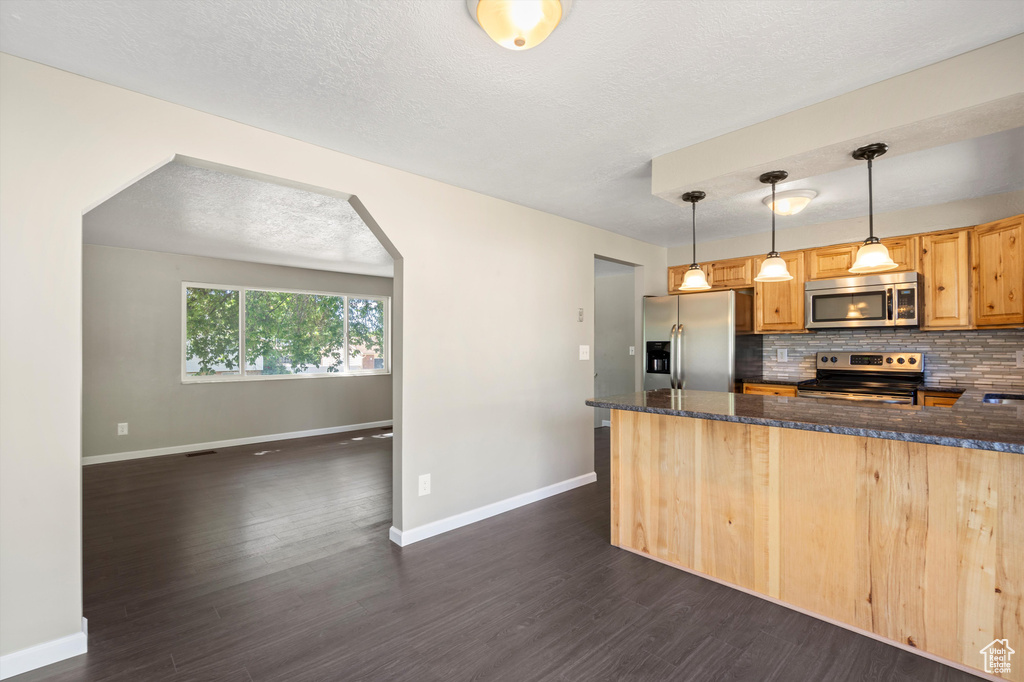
x,y
247,567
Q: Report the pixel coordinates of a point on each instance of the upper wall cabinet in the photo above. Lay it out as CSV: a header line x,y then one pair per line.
x,y
946,269
833,262
905,251
779,306
997,262
735,273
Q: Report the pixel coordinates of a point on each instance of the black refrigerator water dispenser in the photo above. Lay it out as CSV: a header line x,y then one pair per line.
x,y
658,356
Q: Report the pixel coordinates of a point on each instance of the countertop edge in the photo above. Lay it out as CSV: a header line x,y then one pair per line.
x,y
948,441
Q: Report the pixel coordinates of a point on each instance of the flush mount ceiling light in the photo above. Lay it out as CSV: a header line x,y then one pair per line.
x,y
873,256
773,269
694,278
791,201
518,24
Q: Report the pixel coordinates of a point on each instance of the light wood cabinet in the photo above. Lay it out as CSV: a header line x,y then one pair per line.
x,y
770,389
831,262
905,251
779,306
937,398
919,544
945,266
675,277
735,273
997,264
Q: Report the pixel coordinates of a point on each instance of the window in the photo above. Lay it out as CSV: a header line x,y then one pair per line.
x,y
281,334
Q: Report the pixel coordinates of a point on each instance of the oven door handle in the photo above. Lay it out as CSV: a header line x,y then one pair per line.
x,y
856,397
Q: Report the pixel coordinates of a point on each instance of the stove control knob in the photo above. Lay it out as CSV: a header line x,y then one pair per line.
x,y
835,359
889,360
901,361
824,359
912,361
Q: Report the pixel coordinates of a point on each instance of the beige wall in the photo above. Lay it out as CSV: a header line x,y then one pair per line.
x,y
614,321
908,221
503,415
131,344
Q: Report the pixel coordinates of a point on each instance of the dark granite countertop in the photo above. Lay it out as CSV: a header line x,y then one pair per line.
x,y
970,423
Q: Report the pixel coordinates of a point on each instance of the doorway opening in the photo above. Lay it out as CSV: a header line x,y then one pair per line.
x,y
615,332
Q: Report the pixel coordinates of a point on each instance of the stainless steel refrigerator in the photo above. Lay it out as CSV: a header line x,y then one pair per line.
x,y
702,341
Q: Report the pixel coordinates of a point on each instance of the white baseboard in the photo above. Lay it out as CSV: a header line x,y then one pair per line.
x,y
44,654
192,447
429,530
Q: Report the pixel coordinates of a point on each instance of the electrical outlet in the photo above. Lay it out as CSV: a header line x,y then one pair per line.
x,y
632,350
782,354
1020,358
424,485
584,352
122,429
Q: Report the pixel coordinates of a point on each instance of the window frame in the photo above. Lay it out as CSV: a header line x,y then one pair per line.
x,y
242,375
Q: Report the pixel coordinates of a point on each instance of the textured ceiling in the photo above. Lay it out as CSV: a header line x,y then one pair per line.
x,y
973,168
200,212
569,127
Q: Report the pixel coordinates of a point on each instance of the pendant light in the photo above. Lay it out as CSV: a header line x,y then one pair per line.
x,y
873,256
773,269
694,278
518,24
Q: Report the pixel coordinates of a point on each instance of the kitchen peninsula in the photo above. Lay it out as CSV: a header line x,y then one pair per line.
x,y
905,522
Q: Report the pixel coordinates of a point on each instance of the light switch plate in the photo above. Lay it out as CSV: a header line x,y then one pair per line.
x,y
584,352
782,354
632,350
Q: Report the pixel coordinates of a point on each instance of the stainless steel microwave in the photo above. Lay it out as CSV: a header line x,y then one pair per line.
x,y
882,300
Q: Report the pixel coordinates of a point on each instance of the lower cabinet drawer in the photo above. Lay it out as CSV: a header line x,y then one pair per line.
x,y
770,389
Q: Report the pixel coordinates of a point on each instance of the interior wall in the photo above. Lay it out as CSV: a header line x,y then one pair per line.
x,y
614,317
132,348
489,384
949,216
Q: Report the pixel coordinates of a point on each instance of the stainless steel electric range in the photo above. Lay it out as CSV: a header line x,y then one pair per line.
x,y
870,376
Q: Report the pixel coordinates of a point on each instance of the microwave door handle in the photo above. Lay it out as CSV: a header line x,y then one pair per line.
x,y
888,302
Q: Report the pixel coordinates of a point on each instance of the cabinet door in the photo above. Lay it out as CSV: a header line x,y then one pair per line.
x,y
770,389
831,262
997,254
675,277
735,273
946,270
905,251
779,306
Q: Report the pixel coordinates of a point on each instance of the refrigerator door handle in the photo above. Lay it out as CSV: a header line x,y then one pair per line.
x,y
680,374
676,356
672,357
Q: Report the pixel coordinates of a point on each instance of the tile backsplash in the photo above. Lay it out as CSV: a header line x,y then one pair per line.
x,y
952,358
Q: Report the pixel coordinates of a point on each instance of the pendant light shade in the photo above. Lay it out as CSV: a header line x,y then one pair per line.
x,y
873,256
773,268
694,279
518,24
